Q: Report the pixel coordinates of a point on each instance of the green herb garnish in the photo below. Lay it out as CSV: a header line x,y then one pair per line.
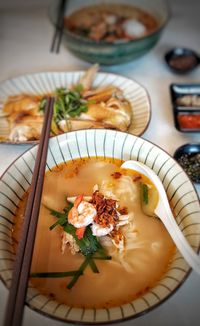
x,y
67,104
89,246
89,260
79,273
62,217
145,195
103,257
93,265
54,274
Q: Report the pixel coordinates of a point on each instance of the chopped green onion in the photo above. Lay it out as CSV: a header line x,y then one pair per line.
x,y
61,221
78,273
145,196
89,260
62,217
68,103
53,274
89,245
102,258
93,265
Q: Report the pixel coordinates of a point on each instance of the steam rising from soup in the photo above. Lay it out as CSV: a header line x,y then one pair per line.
x,y
134,268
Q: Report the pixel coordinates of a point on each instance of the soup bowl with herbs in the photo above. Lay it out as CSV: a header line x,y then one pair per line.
x,y
97,228
112,32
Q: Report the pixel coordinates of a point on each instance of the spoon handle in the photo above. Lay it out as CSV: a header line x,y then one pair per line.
x,y
191,257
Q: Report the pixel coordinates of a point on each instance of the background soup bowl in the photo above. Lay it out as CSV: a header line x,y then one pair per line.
x,y
110,53
107,143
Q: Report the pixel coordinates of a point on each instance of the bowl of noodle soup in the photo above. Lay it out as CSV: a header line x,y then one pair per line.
x,y
78,161
113,31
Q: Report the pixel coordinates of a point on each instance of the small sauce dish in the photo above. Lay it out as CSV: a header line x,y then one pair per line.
x,y
188,156
182,60
186,106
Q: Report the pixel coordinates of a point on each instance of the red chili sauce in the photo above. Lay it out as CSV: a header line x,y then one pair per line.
x,y
189,121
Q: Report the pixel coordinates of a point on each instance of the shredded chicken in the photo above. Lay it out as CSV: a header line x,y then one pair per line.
x,y
105,107
68,239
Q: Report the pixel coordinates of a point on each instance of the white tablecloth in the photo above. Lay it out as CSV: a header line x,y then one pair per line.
x,y
25,36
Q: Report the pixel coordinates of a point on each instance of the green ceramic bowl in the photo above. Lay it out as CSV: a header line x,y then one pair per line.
x,y
106,53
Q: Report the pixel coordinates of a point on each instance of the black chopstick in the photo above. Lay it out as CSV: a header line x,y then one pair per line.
x,y
17,294
57,37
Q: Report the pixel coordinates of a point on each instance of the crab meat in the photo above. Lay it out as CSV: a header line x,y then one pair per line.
x,y
100,231
123,220
68,239
119,244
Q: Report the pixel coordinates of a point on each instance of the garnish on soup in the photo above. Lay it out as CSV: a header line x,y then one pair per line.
x,y
94,232
83,222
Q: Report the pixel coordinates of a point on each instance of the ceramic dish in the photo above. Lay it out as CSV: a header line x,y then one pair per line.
x,y
186,106
188,156
46,82
105,143
110,53
181,60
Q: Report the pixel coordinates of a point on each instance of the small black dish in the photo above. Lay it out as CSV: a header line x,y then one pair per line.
x,y
179,91
188,156
182,60
186,107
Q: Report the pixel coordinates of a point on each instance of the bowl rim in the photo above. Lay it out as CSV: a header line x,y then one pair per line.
x,y
139,314
99,44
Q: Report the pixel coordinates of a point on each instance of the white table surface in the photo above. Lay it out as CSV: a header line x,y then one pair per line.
x,y
25,35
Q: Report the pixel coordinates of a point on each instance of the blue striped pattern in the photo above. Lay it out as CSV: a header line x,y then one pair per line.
x,y
106,143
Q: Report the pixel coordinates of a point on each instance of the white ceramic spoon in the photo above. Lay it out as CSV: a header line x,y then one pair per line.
x,y
163,211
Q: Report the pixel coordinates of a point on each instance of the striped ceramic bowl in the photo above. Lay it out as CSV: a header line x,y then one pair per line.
x,y
47,82
107,143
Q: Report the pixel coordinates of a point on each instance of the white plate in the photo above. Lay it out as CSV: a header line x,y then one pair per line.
x,y
46,82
